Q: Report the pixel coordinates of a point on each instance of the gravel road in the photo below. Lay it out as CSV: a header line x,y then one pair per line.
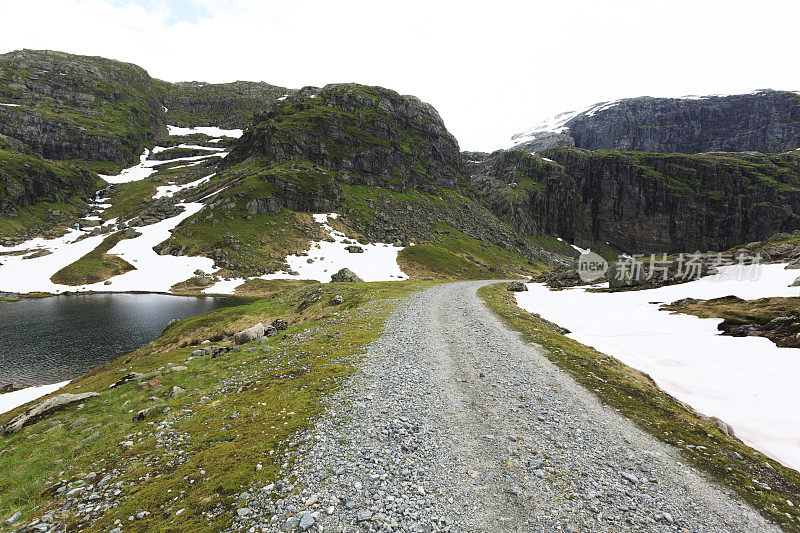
x,y
452,423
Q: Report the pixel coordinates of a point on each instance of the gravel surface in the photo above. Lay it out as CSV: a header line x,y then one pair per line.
x,y
452,423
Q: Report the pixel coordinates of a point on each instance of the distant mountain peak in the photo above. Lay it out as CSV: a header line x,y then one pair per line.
x,y
765,120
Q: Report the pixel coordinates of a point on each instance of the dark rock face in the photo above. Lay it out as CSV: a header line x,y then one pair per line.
x,y
765,121
533,195
226,105
644,203
26,179
78,107
263,206
365,135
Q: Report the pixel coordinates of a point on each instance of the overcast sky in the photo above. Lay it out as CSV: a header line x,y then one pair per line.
x,y
491,68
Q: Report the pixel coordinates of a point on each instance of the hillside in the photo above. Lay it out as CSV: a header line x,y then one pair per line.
x,y
36,192
97,114
385,161
64,106
641,202
225,105
764,121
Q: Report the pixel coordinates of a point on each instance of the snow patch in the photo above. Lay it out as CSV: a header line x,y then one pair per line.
x,y
148,167
12,400
747,382
166,191
378,262
211,131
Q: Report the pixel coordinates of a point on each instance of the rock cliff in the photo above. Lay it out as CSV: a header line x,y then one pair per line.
x,y
764,121
359,135
65,106
642,202
226,105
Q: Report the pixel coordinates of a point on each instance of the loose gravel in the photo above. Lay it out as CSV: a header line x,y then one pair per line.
x,y
453,423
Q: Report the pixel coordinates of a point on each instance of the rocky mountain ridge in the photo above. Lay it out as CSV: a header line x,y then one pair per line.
x,y
388,163
764,121
642,202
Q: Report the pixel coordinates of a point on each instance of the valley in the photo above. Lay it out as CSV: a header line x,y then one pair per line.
x,y
407,342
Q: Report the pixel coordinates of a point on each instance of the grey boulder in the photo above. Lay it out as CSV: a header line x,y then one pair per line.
x,y
345,275
250,334
45,408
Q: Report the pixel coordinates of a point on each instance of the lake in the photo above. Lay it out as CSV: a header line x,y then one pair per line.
x,y
58,338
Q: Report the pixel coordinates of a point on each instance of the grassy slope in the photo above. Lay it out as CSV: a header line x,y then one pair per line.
x,y
227,105
443,251
95,266
58,187
763,482
240,410
740,312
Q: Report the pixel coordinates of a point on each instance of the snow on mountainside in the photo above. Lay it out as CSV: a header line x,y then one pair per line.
x,y
761,121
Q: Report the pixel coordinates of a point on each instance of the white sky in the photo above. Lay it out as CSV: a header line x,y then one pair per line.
x,y
492,68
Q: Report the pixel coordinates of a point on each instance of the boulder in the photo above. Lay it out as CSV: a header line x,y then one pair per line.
x,y
44,409
345,275
516,286
124,379
175,391
279,324
147,385
202,281
9,387
353,249
250,334
142,414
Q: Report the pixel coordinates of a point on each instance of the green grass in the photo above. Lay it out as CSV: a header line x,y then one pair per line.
x,y
240,410
56,189
764,483
95,266
227,105
740,312
39,216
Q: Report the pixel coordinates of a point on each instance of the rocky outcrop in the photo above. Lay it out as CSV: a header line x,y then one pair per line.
x,y
44,409
78,107
226,105
26,179
357,135
643,203
764,121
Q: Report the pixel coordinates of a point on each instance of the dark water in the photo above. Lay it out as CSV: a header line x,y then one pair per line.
x,y
54,339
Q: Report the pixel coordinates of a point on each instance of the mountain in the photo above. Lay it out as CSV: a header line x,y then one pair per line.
x,y
99,115
642,202
387,164
764,121
64,106
225,105
385,161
